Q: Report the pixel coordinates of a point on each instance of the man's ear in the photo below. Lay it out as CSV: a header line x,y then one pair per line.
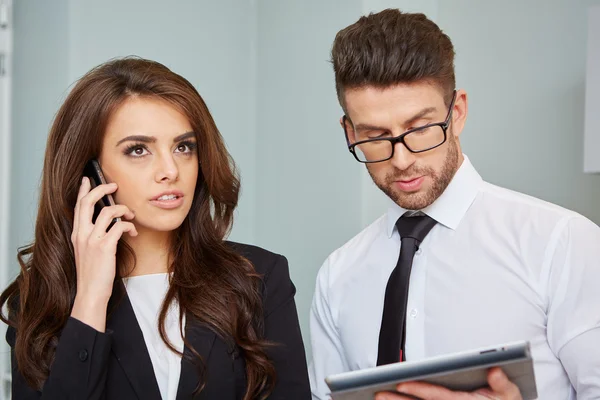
x,y
459,112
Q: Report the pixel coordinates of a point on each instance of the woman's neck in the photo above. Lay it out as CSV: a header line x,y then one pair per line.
x,y
152,250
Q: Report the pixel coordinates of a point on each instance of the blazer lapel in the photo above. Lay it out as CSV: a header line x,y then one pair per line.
x,y
129,346
201,339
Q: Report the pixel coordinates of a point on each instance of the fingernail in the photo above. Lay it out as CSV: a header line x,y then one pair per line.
x,y
83,180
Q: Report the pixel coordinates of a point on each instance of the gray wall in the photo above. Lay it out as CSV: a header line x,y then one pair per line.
x,y
308,197
591,141
56,43
262,66
523,64
40,79
208,42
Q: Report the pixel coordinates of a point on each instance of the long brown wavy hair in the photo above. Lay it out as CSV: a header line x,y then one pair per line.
x,y
209,280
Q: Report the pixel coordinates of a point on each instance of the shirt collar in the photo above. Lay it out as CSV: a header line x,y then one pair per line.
x,y
452,205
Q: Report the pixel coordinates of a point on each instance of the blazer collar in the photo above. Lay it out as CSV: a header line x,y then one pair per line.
x,y
130,349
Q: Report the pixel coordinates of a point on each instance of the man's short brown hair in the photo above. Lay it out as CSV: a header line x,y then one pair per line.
x,y
390,48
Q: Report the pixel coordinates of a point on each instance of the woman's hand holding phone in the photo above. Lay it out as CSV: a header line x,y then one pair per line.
x,y
95,252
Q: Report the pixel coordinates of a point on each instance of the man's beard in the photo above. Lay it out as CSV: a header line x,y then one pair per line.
x,y
420,200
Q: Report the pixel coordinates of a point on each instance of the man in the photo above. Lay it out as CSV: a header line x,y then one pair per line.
x,y
492,266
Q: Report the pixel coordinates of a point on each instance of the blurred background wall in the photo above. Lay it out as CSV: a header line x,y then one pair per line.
x,y
263,68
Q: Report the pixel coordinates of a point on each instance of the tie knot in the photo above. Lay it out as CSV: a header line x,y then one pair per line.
x,y
415,227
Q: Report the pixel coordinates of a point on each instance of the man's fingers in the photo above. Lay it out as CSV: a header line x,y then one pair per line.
x,y
425,390
391,396
500,384
486,394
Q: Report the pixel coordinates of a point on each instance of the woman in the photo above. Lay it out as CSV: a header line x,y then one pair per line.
x,y
158,304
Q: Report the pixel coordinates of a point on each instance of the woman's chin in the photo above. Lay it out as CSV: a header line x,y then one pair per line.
x,y
158,226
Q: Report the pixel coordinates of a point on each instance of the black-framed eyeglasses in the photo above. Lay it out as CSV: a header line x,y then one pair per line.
x,y
417,140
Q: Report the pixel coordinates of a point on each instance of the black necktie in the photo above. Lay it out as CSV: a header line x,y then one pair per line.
x,y
392,334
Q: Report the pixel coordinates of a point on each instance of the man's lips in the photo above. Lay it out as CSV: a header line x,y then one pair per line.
x,y
410,185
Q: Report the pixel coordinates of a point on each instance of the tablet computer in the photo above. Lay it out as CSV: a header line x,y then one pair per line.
x,y
464,371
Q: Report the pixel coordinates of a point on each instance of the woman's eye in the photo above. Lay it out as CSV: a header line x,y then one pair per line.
x,y
139,151
186,147
136,151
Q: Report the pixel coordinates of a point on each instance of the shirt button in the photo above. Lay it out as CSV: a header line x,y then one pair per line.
x,y
414,313
419,251
83,355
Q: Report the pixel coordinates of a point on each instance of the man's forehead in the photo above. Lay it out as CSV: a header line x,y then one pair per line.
x,y
365,107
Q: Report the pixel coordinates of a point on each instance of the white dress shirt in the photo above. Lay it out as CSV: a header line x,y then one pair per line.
x,y
146,293
498,267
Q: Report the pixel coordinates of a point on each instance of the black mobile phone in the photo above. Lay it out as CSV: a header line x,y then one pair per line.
x,y
93,171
